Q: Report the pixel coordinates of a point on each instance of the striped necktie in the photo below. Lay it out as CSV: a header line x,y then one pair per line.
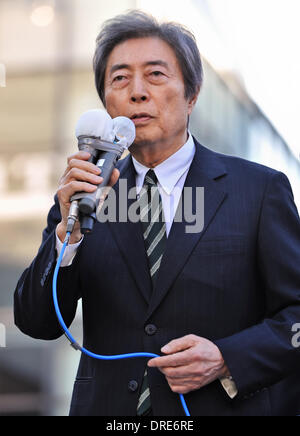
x,y
155,237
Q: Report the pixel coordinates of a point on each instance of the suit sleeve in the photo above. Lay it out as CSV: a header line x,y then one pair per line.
x,y
33,304
263,355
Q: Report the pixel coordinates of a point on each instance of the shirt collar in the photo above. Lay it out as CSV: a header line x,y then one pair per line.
x,y
169,171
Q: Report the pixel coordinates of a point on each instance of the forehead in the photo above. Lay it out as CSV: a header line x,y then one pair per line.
x,y
139,52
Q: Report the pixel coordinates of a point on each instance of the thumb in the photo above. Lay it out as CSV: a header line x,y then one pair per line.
x,y
114,177
177,345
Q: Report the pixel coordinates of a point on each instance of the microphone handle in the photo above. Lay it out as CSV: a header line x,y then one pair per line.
x,y
89,201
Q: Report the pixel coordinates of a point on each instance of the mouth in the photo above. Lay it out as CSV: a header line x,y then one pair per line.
x,y
141,118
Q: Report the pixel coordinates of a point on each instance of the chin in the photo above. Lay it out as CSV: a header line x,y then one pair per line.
x,y
137,145
143,141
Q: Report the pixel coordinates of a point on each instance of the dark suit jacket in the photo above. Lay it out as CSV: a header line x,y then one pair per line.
x,y
237,283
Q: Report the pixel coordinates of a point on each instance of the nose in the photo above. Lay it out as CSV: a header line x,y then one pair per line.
x,y
136,98
138,92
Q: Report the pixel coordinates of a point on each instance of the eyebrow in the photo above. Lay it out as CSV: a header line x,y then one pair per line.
x,y
127,66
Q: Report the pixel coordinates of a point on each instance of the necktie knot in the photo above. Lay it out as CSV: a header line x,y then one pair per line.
x,y
150,179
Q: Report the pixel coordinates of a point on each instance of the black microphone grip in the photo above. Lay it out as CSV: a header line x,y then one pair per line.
x,y
90,201
90,149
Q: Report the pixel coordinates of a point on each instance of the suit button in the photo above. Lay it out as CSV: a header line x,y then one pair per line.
x,y
150,329
133,386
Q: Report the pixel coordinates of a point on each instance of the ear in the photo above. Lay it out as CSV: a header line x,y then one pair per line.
x,y
192,101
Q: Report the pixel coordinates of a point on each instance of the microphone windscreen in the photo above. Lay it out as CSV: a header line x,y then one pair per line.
x,y
124,129
95,123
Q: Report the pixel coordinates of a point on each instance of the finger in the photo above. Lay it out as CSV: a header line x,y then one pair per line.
x,y
80,160
179,344
178,373
78,174
67,191
173,360
84,165
80,155
186,372
182,388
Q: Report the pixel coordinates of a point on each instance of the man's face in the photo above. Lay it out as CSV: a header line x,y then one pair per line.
x,y
144,82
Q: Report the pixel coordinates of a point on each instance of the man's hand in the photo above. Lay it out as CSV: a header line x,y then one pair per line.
x,y
190,363
79,176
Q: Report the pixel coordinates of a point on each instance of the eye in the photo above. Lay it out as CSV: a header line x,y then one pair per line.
x,y
157,73
118,78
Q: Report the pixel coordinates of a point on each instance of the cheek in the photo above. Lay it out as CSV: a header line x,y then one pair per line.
x,y
178,91
174,103
111,106
175,114
113,103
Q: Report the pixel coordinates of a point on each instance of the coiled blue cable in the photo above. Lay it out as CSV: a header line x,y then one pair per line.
x,y
73,342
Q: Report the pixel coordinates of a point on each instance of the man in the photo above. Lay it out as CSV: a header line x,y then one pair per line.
x,y
219,305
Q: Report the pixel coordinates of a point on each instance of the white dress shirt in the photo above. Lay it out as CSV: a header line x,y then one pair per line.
x,y
171,175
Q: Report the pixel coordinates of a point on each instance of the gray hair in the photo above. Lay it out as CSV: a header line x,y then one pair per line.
x,y
137,24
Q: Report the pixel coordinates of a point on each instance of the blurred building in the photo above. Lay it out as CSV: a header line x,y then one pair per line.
x,y
46,50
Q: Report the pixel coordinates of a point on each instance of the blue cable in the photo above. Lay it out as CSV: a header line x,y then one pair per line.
x,y
76,346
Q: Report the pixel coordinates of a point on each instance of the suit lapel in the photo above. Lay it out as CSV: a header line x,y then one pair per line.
x,y
205,168
129,235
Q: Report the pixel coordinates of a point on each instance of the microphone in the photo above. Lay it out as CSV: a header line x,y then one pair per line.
x,y
106,140
124,130
95,123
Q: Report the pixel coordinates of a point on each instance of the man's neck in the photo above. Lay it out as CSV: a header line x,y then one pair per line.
x,y
152,155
